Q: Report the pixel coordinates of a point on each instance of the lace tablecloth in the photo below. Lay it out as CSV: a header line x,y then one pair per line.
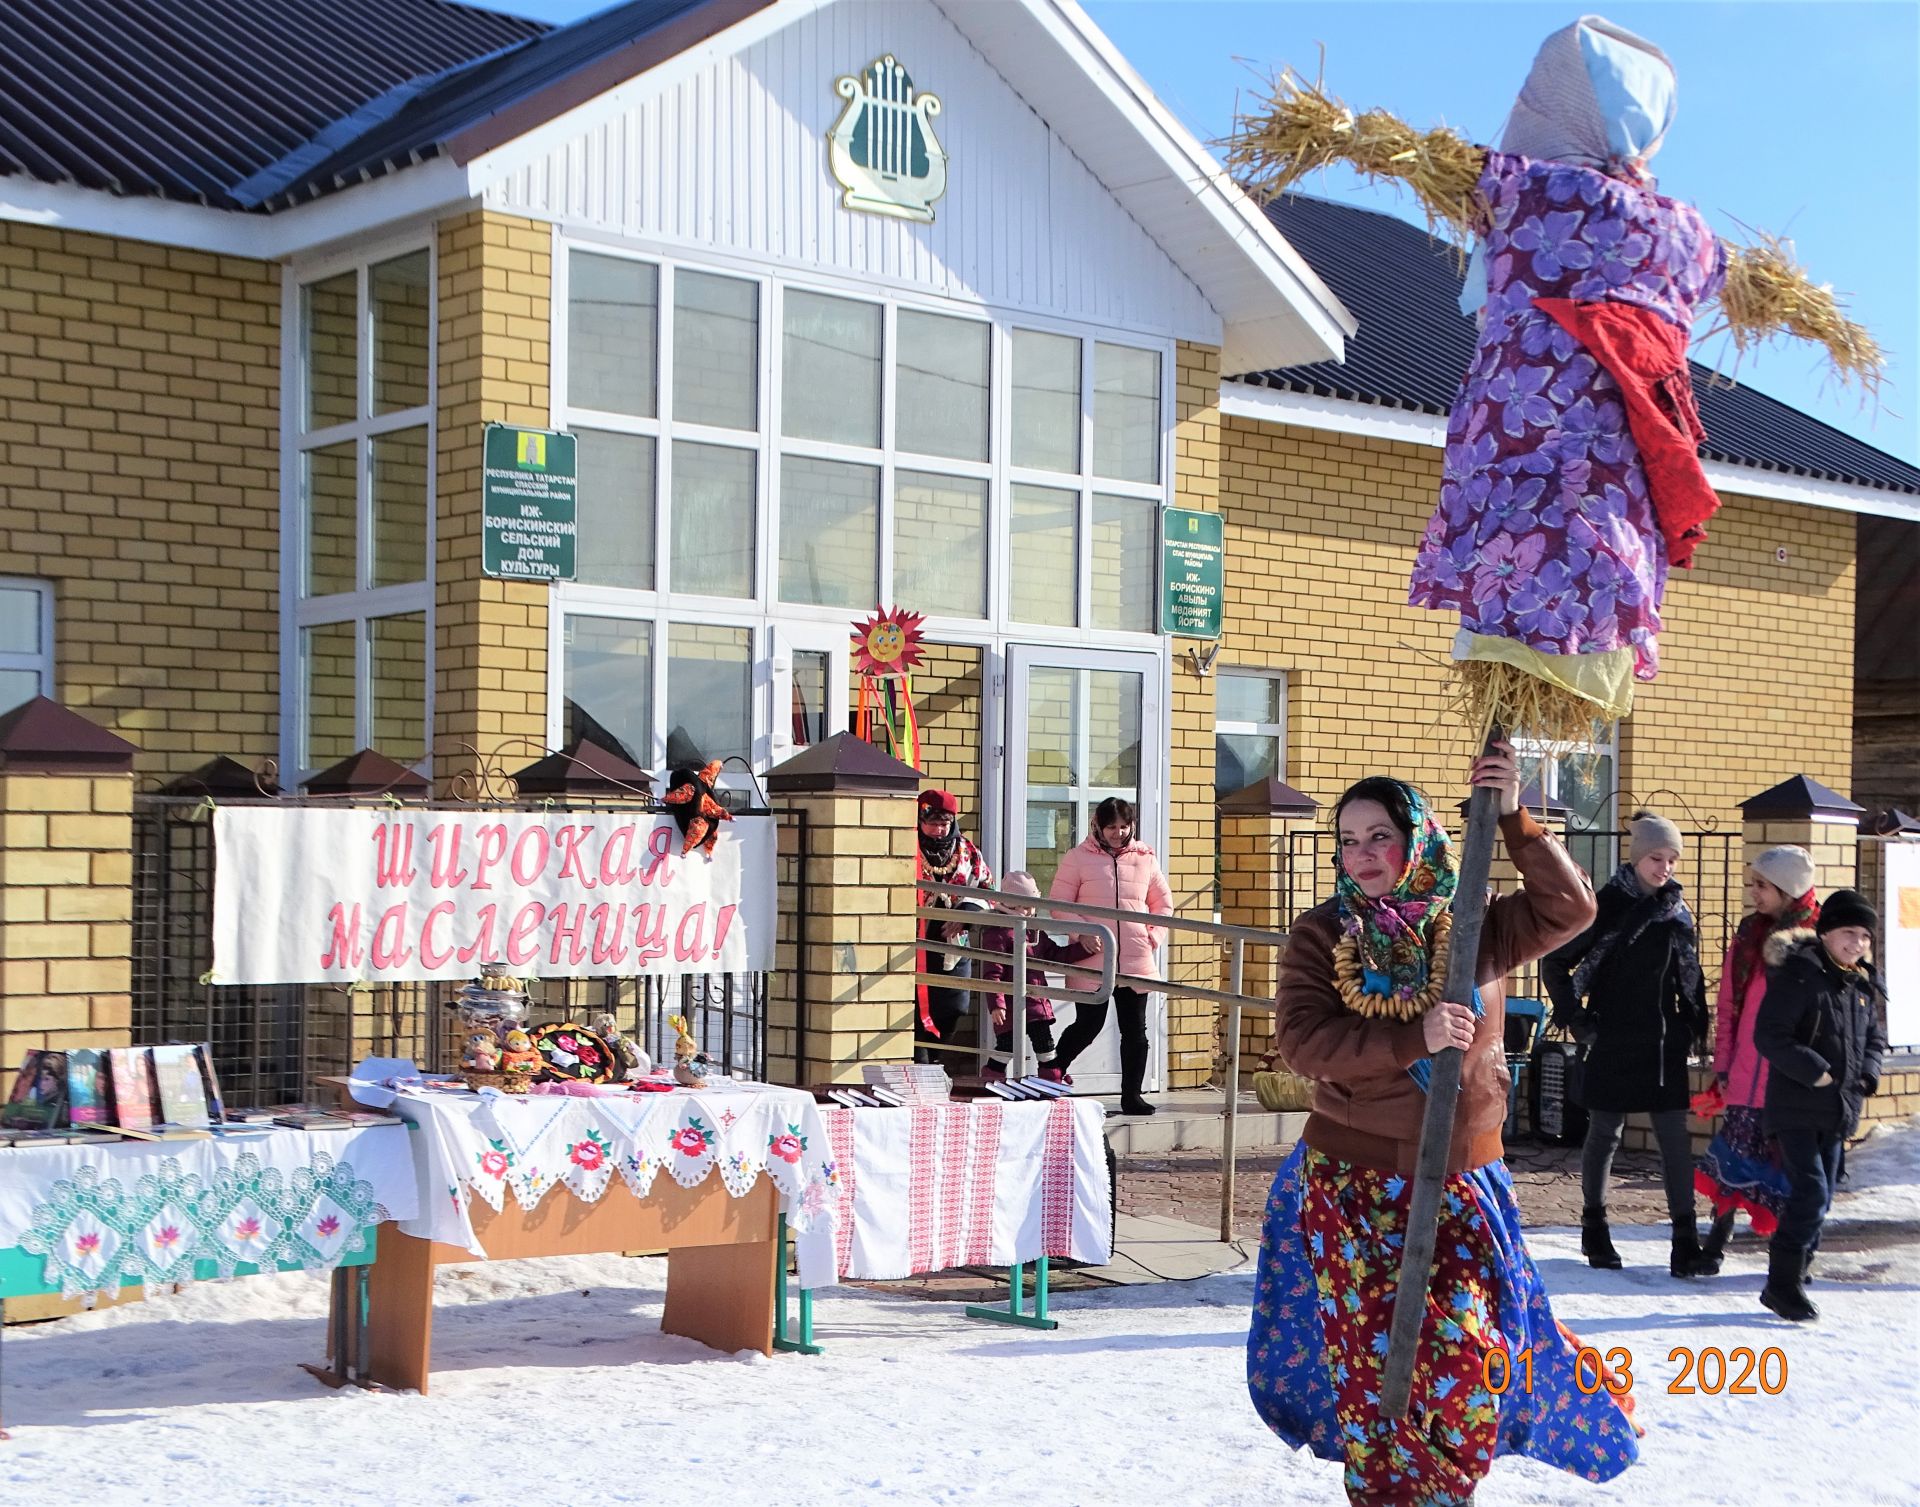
x,y
494,1145
984,1183
95,1216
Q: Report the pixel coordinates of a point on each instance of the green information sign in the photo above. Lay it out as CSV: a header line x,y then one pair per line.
x,y
529,503
1193,573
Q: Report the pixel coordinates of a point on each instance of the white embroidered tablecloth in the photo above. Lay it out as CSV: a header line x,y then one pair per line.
x,y
982,1183
101,1213
493,1144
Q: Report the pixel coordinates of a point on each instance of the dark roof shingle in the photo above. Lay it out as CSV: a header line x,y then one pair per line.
x,y
190,99
1414,346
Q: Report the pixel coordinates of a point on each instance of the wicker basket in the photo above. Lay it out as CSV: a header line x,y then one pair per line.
x,y
1282,1092
507,1083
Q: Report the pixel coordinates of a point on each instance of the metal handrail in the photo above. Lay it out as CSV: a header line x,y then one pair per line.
x,y
1233,997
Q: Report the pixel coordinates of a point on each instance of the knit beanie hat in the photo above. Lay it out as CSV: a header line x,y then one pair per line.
x,y
1650,832
1846,908
1787,869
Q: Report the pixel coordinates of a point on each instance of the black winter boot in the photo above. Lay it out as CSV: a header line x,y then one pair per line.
x,y
1133,1075
1713,1249
1785,1292
1596,1243
1685,1260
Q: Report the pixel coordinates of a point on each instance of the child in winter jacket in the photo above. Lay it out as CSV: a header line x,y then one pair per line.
x,y
1040,947
1820,1031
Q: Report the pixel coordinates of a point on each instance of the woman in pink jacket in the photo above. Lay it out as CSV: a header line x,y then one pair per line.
x,y
1740,1168
1110,869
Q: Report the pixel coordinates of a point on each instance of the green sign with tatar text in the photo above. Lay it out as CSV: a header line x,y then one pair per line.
x,y
1192,573
530,496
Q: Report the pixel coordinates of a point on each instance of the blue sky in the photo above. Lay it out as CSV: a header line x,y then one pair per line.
x,y
1799,119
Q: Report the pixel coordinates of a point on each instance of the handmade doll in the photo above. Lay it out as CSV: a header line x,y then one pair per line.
x,y
690,793
633,1062
691,1066
482,1053
1572,480
519,1056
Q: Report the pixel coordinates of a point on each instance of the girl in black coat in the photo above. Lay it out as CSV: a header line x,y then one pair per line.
x,y
1631,991
1819,1029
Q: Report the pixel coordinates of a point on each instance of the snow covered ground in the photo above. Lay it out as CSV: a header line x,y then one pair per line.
x,y
552,1384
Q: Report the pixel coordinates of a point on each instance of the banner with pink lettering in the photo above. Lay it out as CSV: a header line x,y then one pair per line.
x,y
306,895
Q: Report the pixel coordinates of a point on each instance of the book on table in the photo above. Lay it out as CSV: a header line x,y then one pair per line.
x,y
87,1088
314,1120
182,1095
210,1081
38,1100
130,1070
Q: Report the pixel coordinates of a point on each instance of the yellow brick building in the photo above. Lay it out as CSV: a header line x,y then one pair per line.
x,y
243,424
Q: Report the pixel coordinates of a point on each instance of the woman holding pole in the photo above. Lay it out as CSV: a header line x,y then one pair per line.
x,y
1359,1010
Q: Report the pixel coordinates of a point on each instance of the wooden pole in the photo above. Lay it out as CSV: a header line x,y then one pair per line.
x,y
1443,1089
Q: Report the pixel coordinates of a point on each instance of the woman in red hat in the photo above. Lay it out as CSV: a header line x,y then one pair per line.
x,y
947,856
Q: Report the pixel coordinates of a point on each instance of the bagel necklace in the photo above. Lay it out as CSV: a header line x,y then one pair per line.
x,y
1348,978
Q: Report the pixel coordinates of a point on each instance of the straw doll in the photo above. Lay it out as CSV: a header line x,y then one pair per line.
x,y
1572,480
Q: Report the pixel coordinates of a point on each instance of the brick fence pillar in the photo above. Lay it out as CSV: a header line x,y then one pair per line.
x,y
66,882
844,995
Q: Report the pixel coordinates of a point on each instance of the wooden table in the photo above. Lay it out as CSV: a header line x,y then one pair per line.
x,y
721,1266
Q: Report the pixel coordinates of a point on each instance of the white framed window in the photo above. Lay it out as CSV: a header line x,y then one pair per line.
x,y
1086,442
26,641
1586,780
774,455
1249,728
357,508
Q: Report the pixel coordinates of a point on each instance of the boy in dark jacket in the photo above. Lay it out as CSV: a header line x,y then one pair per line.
x,y
1821,1035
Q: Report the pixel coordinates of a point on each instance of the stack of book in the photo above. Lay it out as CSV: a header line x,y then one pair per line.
x,y
909,1082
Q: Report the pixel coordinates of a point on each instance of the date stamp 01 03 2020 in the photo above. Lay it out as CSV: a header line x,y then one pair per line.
x,y
1709,1371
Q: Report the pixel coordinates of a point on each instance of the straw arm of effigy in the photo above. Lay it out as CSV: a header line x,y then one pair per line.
x,y
1768,294
1300,128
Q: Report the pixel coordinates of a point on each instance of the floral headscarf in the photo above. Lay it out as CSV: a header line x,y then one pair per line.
x,y
1395,932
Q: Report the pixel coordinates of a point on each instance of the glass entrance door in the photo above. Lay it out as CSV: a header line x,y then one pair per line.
x,y
1083,725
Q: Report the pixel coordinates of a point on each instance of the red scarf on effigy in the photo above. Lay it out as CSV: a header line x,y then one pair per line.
x,y
1647,356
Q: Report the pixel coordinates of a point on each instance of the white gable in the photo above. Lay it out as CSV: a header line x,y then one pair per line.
x,y
734,157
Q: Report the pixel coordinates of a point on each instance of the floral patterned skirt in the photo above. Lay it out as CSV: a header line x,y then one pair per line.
x,y
1323,1304
1741,1169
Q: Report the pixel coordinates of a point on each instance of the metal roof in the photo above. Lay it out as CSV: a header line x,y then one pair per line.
x,y
1414,346
473,108
191,99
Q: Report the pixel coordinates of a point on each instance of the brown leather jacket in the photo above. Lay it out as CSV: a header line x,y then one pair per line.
x,y
1366,1107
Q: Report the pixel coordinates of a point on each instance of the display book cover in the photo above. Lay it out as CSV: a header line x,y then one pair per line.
x,y
180,1091
38,1098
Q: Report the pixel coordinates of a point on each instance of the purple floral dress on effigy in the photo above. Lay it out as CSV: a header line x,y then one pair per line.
x,y
1545,532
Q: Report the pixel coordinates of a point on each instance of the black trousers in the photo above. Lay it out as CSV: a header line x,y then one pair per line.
x,y
1131,1007
1812,1160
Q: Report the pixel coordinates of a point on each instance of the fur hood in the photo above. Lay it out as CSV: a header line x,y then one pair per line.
x,y
1782,945
1803,942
